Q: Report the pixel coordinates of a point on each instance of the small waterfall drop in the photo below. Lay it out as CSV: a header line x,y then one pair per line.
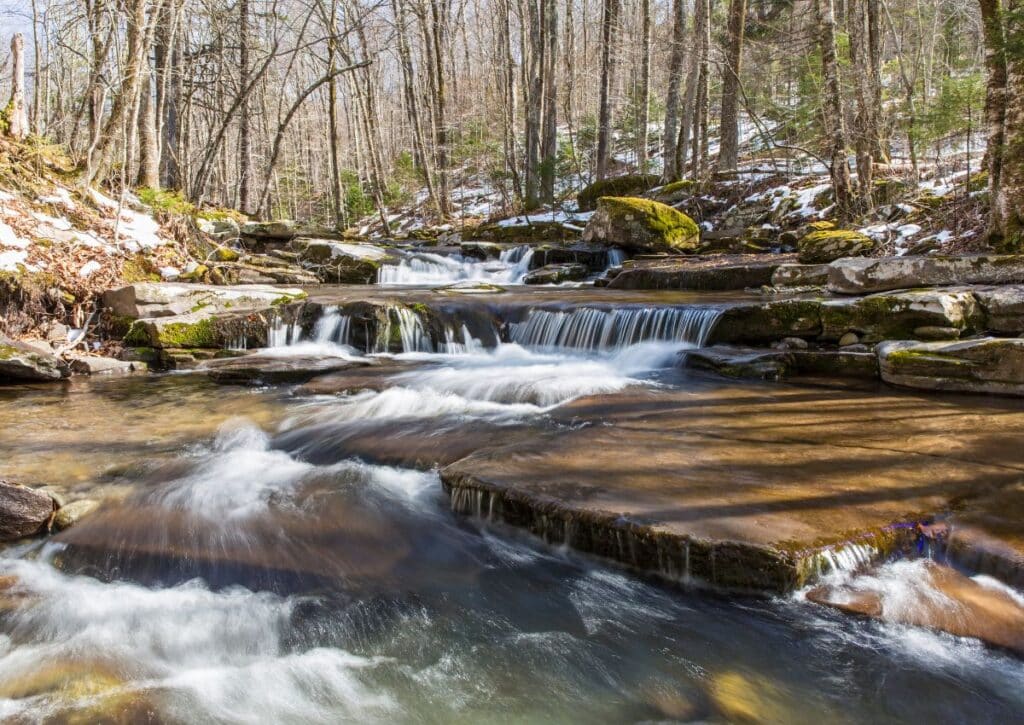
x,y
425,268
589,328
333,327
283,334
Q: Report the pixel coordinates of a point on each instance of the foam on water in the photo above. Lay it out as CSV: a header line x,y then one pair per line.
x,y
428,269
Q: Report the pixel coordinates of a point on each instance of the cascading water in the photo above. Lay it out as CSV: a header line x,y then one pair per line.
x,y
590,328
333,327
424,268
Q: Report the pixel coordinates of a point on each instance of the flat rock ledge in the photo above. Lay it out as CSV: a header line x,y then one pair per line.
x,y
986,365
265,369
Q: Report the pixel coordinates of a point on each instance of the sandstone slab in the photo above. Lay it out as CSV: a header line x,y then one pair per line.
x,y
23,511
165,299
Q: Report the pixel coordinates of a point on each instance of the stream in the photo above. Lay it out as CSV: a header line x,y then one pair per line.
x,y
287,554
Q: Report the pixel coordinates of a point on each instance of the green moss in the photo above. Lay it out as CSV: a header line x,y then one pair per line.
x,y
670,225
283,299
184,334
226,254
164,200
826,245
676,186
618,186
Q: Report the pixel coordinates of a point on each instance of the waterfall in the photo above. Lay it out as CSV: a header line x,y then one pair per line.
x,y
282,334
424,268
333,327
616,257
590,328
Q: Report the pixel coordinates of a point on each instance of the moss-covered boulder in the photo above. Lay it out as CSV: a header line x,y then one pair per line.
x,y
200,330
827,245
642,225
628,185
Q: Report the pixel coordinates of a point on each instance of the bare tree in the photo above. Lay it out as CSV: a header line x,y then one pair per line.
x,y
17,118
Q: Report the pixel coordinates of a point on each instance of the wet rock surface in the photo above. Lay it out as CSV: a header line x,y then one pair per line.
x,y
744,488
710,272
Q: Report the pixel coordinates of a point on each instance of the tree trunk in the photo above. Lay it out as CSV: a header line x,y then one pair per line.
x,y
534,103
865,138
728,155
549,128
17,118
244,132
644,117
609,28
832,109
149,147
672,96
443,194
702,107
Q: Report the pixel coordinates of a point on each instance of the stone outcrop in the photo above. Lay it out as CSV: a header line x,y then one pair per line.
x,y
768,321
826,245
780,364
24,363
642,226
280,230
165,299
704,272
1004,308
800,275
341,263
862,276
265,369
912,314
986,365
23,511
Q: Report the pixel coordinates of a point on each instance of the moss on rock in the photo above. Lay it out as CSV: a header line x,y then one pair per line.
x,y
619,186
642,225
827,245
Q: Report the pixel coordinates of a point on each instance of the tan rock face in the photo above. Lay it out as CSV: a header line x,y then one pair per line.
x,y
925,594
23,511
826,245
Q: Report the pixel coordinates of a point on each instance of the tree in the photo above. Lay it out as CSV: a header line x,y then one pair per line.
x,y
609,30
729,123
832,109
17,118
672,96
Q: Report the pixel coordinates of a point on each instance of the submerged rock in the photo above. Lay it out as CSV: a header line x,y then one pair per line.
x,y
23,511
22,362
826,245
860,276
642,225
263,369
779,364
70,514
97,365
925,594
986,365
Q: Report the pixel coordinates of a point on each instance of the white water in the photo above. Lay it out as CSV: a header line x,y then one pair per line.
x,y
428,269
590,328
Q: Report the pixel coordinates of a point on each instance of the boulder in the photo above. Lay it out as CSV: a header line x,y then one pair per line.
x,y
555,273
800,275
341,262
23,511
265,369
861,276
1004,308
628,185
768,321
900,315
166,299
826,245
70,514
281,230
22,362
985,365
97,365
592,256
642,225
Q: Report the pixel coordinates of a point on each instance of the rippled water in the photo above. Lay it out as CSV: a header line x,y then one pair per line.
x,y
261,558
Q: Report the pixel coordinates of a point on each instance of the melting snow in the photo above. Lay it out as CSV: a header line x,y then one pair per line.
x,y
9,261
89,269
8,238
